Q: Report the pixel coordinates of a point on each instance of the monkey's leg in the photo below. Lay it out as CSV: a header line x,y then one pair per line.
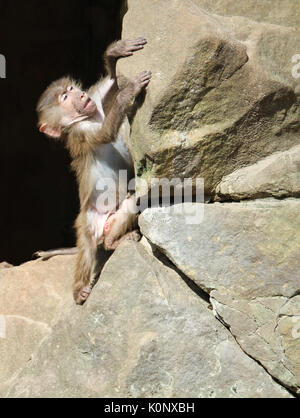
x,y
101,258
92,256
84,267
120,222
82,285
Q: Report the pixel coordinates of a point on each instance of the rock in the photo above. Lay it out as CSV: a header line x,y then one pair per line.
x,y
32,297
246,256
222,95
142,333
276,12
289,330
277,175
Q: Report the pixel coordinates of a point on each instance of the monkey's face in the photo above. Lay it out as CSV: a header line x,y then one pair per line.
x,y
75,106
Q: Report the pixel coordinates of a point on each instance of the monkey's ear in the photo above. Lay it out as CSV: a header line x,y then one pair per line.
x,y
54,133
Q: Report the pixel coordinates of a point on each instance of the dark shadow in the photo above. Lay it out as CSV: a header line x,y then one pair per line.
x,y
41,42
192,285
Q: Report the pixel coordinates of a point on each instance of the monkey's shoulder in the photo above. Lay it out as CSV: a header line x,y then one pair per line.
x,y
78,137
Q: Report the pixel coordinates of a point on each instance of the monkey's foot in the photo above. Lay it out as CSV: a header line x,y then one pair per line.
x,y
132,236
81,296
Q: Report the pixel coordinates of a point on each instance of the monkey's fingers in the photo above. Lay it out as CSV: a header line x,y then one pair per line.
x,y
145,77
137,41
132,49
133,45
142,80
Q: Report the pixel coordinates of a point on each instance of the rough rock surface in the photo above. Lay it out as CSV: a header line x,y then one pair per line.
x,y
142,333
222,95
277,175
276,12
32,296
246,256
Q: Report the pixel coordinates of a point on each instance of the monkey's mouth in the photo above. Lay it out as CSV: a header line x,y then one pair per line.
x,y
87,103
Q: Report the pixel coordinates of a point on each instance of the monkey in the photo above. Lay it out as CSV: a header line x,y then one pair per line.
x,y
92,126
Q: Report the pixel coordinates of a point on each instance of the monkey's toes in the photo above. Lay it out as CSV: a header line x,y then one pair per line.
x,y
81,296
134,236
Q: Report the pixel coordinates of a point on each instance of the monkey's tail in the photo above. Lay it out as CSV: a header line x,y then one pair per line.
x,y
45,255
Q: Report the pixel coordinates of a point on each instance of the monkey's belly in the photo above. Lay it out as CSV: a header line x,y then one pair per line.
x,y
95,224
110,173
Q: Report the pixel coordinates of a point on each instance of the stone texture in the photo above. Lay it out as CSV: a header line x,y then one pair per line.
x,y
277,12
246,256
222,95
277,175
32,297
142,333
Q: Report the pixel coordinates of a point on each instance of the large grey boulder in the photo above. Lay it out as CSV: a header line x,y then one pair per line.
x,y
276,12
246,256
222,95
142,333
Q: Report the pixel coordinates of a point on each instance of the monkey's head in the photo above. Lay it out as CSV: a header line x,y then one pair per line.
x,y
61,105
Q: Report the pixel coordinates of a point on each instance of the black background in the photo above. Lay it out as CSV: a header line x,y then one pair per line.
x,y
42,41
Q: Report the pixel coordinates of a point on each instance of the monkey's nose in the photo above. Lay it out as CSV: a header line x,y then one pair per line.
x,y
83,95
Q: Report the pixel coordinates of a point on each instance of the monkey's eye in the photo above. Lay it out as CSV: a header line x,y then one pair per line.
x,y
70,88
63,97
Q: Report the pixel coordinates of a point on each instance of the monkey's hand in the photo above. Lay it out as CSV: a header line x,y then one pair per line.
x,y
141,81
125,48
130,92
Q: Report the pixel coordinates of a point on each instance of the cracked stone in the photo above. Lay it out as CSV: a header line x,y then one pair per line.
x,y
156,338
246,256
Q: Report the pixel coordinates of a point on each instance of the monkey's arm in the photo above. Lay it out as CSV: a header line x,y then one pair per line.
x,y
111,125
121,49
108,87
83,139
